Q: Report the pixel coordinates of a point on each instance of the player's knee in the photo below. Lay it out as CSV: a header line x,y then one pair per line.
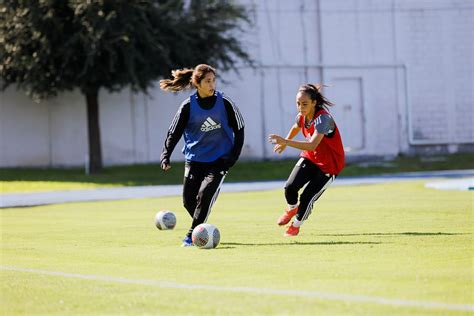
x,y
291,188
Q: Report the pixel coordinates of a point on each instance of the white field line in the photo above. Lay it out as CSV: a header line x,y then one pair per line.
x,y
254,290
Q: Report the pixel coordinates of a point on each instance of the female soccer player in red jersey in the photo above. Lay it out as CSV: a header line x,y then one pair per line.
x,y
322,156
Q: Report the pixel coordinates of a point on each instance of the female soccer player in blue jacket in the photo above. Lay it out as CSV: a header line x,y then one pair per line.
x,y
213,131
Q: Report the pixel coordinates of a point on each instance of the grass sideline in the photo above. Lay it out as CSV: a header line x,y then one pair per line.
x,y
399,241
37,179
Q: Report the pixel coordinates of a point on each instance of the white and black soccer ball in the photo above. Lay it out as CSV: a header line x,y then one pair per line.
x,y
165,220
206,236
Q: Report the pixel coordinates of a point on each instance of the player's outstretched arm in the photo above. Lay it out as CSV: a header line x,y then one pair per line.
x,y
280,147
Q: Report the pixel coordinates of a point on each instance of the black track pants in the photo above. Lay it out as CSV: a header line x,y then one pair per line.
x,y
202,183
306,172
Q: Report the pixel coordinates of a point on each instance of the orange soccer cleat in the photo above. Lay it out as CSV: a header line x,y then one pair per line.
x,y
287,216
292,231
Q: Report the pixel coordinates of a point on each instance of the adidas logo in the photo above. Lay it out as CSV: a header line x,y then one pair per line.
x,y
209,125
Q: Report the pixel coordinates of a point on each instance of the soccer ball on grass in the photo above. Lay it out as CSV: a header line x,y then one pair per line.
x,y
165,220
206,236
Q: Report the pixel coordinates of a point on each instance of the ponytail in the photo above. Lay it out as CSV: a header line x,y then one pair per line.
x,y
181,80
186,78
314,92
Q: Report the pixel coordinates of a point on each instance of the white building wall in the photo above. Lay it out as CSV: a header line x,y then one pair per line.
x,y
359,61
24,131
399,71
435,40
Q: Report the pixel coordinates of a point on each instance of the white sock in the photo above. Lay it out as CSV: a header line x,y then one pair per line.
x,y
297,223
290,207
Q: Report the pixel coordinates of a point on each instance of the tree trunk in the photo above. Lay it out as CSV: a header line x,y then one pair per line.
x,y
93,128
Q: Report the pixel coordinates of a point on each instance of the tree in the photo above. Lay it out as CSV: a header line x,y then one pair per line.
x,y
51,46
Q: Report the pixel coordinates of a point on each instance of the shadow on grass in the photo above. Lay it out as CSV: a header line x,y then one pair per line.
x,y
297,243
395,234
230,245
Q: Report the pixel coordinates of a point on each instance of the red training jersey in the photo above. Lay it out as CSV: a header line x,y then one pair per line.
x,y
329,155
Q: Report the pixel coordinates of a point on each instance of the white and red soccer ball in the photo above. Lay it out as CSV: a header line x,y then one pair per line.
x,y
206,236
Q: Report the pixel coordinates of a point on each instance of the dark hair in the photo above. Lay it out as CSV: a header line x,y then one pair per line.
x,y
186,78
314,92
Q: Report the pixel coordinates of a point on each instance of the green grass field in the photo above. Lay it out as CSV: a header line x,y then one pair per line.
x,y
388,249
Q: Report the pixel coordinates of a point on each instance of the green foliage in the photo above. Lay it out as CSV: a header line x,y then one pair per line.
x,y
34,53
54,45
49,46
211,25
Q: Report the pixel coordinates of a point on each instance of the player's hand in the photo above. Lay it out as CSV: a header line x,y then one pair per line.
x,y
280,143
276,139
279,148
165,166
